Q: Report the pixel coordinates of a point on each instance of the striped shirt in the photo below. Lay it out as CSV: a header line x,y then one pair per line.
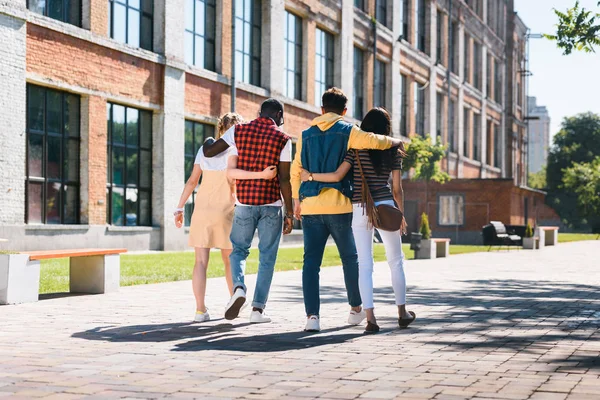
x,y
379,184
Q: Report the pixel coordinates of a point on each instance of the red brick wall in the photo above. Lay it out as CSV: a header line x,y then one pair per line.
x,y
97,161
99,17
77,62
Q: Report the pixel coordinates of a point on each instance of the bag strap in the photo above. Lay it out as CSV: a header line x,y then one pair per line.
x,y
366,197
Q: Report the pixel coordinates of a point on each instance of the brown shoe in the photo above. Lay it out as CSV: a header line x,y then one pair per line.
x,y
371,328
403,323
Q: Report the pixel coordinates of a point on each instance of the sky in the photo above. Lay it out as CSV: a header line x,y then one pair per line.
x,y
567,85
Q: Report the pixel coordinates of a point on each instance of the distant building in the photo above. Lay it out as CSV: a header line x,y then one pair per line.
x,y
539,135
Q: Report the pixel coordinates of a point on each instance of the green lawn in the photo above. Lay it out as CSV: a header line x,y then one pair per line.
x,y
139,269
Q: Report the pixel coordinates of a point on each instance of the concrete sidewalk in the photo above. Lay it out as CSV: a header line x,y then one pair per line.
x,y
507,325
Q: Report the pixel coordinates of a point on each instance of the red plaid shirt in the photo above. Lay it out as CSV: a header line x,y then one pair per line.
x,y
259,144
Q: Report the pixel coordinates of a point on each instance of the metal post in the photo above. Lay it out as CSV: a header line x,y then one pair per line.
x,y
233,55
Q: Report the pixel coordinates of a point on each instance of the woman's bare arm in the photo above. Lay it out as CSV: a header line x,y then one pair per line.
x,y
189,187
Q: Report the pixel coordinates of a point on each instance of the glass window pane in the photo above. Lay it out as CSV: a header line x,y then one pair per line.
x,y
118,124
35,108
145,169
119,23
189,14
118,165
34,203
134,4
146,129
117,206
74,12
145,217
189,138
247,32
189,48
200,19
199,136
133,29
146,33
37,6
53,165
71,119
239,8
71,161
132,126
34,156
53,202
131,204
147,6
55,9
199,51
132,166
188,166
53,111
70,205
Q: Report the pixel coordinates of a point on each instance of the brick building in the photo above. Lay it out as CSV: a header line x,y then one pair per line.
x,y
107,101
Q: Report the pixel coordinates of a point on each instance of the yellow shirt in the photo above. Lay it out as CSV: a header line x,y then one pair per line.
x,y
332,201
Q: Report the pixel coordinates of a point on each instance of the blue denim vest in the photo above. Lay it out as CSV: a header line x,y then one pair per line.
x,y
323,152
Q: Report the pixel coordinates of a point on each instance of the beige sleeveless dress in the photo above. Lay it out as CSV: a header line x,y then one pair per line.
x,y
214,203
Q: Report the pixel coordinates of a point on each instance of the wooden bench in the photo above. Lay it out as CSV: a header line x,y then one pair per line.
x,y
548,235
90,271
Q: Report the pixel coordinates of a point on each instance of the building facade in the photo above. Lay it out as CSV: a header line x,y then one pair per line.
x,y
539,135
109,100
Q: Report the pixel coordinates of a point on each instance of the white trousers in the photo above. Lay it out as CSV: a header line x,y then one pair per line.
x,y
392,241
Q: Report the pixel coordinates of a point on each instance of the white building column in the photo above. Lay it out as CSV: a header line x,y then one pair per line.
x,y
169,127
344,69
13,36
484,143
461,99
395,100
273,47
432,112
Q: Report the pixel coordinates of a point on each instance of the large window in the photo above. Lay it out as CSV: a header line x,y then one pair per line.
x,y
477,64
360,4
440,38
129,166
497,82
247,41
379,92
359,90
381,11
293,56
195,134
452,127
68,11
467,60
475,152
490,76
419,109
489,151
451,210
200,31
467,131
497,146
52,179
131,22
403,105
405,18
440,115
421,11
454,51
323,64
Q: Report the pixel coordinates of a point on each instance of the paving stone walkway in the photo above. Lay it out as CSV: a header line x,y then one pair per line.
x,y
507,325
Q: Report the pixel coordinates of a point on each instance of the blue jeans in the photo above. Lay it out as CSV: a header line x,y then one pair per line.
x,y
269,222
317,229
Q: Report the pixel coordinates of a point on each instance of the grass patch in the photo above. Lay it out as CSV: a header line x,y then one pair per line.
x,y
576,237
140,269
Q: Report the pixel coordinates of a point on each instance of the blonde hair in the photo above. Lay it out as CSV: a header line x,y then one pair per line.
x,y
226,121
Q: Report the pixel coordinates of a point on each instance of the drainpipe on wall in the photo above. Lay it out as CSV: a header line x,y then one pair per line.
x,y
232,56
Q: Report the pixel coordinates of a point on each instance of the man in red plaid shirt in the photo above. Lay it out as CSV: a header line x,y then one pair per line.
x,y
260,144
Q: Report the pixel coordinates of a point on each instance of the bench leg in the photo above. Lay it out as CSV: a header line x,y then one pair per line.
x,y
95,274
19,279
442,249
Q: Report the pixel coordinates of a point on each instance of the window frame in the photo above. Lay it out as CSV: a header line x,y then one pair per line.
x,y
110,145
466,131
142,12
440,33
381,12
477,61
255,49
421,26
379,89
325,62
462,209
65,12
452,128
297,47
420,101
405,20
208,37
439,98
476,142
65,139
359,74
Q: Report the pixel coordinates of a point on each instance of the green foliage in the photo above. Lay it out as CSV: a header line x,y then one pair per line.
x,y
425,157
537,180
8,252
583,179
577,29
578,141
528,231
425,230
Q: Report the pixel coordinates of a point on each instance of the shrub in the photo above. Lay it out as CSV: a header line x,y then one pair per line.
x,y
528,231
425,230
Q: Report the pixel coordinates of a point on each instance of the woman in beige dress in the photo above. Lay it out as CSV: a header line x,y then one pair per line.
x,y
213,212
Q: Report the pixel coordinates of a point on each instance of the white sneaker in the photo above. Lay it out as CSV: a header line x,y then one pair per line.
x,y
235,304
202,316
356,318
256,317
312,324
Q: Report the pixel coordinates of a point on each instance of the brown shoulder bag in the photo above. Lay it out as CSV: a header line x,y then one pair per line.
x,y
383,217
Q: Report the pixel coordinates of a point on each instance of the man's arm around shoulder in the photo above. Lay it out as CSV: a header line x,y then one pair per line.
x,y
361,140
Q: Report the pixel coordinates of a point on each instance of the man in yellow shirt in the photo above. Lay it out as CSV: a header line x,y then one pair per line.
x,y
326,208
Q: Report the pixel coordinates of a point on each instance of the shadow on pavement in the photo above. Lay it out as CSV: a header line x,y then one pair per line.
x,y
272,342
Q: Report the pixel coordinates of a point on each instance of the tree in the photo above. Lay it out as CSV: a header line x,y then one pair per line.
x,y
425,158
537,180
578,141
583,179
577,29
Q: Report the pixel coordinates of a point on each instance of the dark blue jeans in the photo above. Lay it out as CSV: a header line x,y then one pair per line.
x,y
317,229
